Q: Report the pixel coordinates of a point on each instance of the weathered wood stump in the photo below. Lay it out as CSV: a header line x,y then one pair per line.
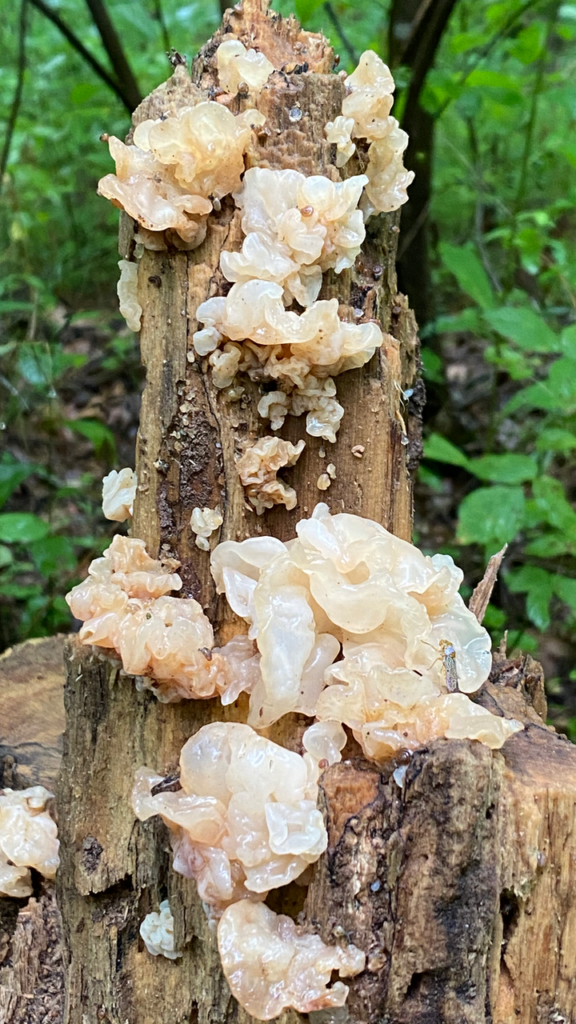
x,y
459,884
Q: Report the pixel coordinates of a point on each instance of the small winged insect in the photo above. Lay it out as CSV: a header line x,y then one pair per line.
x,y
449,663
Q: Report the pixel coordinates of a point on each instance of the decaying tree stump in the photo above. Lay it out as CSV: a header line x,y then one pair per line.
x,y
460,884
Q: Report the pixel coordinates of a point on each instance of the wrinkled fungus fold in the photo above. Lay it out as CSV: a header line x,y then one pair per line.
x,y
28,839
347,586
272,964
245,820
157,932
167,642
118,494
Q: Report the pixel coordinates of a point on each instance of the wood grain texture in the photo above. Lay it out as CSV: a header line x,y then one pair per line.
x,y
31,713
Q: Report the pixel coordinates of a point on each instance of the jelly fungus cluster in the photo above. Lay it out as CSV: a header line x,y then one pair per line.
x,y
245,820
28,839
118,493
167,642
157,932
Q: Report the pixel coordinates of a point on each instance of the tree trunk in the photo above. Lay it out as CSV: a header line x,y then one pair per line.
x,y
459,886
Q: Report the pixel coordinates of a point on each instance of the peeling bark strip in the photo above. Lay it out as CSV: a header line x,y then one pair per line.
x,y
444,879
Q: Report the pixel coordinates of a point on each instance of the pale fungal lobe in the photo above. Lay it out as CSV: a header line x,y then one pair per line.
x,y
125,607
118,494
176,166
339,132
250,330
245,820
157,931
296,227
271,964
258,468
368,104
28,839
347,584
203,523
127,290
237,66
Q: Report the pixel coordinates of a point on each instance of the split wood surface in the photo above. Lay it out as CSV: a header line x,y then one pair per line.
x,y
461,884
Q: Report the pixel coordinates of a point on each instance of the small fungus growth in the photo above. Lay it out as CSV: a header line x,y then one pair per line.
x,y
245,820
338,132
295,228
127,290
257,469
271,964
238,66
169,177
250,330
118,494
28,839
157,931
368,104
203,523
167,641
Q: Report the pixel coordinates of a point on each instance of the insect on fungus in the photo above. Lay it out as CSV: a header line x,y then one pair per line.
x,y
449,664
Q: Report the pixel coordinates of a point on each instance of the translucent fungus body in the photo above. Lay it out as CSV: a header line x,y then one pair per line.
x,y
126,608
238,67
245,820
168,178
127,289
28,839
271,964
257,470
346,584
118,494
157,931
203,523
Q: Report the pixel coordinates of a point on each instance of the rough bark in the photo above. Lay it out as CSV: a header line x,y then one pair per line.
x,y
440,880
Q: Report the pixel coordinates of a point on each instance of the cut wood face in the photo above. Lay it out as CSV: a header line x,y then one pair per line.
x,y
447,876
32,713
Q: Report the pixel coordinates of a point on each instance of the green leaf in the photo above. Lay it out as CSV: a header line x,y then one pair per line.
x,y
52,555
524,327
504,469
539,587
432,366
555,439
440,449
553,504
565,588
5,556
466,320
98,433
491,515
12,474
548,546
469,273
21,527
305,8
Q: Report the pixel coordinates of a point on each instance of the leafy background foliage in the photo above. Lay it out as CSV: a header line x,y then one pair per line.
x,y
499,330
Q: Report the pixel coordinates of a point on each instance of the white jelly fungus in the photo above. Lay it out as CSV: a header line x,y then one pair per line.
x,y
127,290
238,66
157,932
347,584
28,839
257,469
271,964
118,494
167,641
169,176
245,820
203,523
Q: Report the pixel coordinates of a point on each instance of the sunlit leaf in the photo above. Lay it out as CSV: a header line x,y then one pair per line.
x,y
21,527
524,327
491,515
469,273
440,449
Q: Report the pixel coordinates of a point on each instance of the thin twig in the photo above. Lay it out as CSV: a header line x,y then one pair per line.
x,y
533,111
348,46
78,45
159,15
483,592
17,98
116,54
